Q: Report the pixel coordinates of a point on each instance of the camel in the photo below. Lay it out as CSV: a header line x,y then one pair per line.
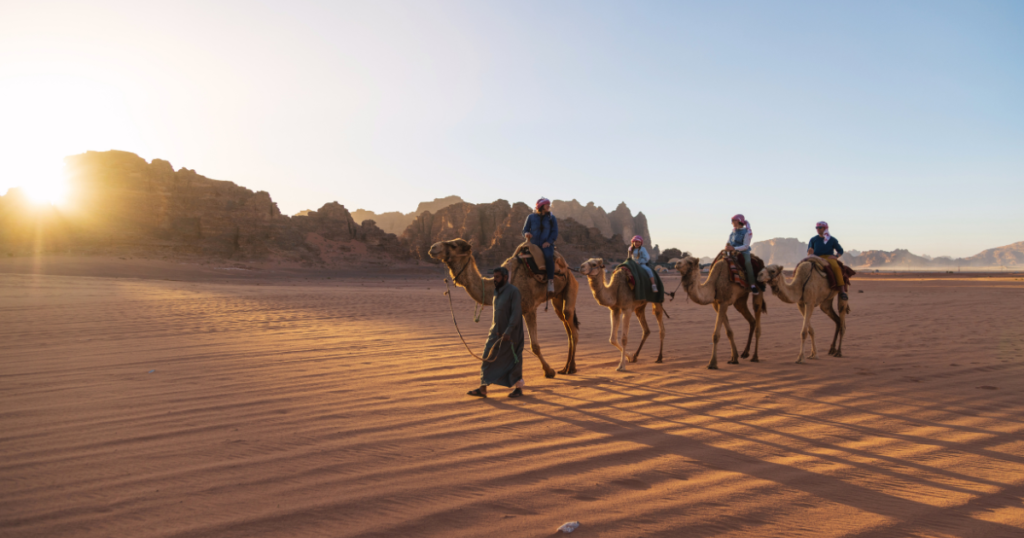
x,y
809,287
721,292
457,255
616,295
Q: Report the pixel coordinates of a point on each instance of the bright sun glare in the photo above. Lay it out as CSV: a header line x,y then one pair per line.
x,y
51,190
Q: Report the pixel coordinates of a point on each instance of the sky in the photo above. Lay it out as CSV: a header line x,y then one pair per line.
x,y
900,123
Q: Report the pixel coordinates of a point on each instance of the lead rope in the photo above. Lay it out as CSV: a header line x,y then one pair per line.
x,y
451,307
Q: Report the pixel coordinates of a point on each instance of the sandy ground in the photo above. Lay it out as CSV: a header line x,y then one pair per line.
x,y
224,403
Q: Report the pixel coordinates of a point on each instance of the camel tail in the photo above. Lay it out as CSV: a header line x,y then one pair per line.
x,y
764,306
575,320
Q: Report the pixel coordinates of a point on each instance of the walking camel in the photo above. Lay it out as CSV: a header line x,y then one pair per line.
x,y
616,295
809,288
457,255
721,292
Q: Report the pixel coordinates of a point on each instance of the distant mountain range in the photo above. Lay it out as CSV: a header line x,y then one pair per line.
x,y
789,251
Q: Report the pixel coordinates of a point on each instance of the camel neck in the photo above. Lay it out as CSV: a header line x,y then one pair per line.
x,y
467,275
791,291
600,289
701,293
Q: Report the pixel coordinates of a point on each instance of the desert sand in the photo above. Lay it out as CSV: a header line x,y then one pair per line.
x,y
153,399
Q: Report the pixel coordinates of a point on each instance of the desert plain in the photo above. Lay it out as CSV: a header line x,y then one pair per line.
x,y
146,398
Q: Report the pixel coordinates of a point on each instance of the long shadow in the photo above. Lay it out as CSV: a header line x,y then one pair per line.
x,y
834,459
820,485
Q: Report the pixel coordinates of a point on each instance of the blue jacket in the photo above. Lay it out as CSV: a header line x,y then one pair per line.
x,y
821,248
544,229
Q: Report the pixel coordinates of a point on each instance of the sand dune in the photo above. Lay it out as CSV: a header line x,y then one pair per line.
x,y
278,406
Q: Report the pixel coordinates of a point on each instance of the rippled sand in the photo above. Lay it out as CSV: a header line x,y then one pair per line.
x,y
280,406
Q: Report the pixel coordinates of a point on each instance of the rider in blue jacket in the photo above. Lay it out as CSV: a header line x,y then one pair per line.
x,y
541,229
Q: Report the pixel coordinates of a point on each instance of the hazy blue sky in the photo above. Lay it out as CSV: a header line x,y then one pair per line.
x,y
901,123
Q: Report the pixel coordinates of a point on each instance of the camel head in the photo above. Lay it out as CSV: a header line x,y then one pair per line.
x,y
446,251
687,264
592,267
769,273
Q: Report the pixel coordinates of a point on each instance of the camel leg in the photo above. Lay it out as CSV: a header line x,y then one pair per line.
x,y
826,307
844,309
659,312
531,326
735,357
805,331
741,307
614,338
624,315
758,308
641,315
713,365
559,304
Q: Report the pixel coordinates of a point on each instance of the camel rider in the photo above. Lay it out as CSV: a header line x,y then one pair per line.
x,y
739,241
505,340
639,254
828,248
541,229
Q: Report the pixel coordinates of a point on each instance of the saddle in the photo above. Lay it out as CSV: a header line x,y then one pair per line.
x,y
532,257
822,266
737,271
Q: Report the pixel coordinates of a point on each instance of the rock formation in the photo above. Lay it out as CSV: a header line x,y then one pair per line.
x,y
120,203
786,252
396,222
620,222
494,229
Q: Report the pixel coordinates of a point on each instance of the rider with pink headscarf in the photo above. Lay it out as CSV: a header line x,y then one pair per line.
x,y
639,254
739,241
828,248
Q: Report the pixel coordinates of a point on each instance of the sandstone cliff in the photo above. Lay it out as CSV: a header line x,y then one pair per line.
x,y
396,222
494,229
620,222
120,203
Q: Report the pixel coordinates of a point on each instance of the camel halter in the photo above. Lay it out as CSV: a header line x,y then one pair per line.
x,y
451,307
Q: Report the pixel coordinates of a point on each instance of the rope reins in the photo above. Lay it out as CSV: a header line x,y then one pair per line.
x,y
493,356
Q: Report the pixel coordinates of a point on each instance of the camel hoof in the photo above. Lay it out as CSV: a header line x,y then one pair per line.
x,y
712,367
734,361
550,374
745,355
620,369
755,359
632,359
838,354
659,360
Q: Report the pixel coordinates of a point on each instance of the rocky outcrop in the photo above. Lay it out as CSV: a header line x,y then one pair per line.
x,y
620,222
396,222
120,203
495,229
1007,256
786,252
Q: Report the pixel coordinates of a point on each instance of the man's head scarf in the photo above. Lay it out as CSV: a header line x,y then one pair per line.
x,y
824,225
541,203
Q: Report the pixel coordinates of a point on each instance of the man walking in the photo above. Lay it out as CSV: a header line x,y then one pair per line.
x,y
503,364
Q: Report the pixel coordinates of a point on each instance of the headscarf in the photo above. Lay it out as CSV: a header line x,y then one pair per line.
x,y
827,235
637,238
540,203
739,218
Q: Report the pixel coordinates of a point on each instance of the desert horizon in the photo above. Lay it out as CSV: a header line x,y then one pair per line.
x,y
450,269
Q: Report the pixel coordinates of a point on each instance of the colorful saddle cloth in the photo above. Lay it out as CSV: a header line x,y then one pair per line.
x,y
737,271
822,265
640,283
